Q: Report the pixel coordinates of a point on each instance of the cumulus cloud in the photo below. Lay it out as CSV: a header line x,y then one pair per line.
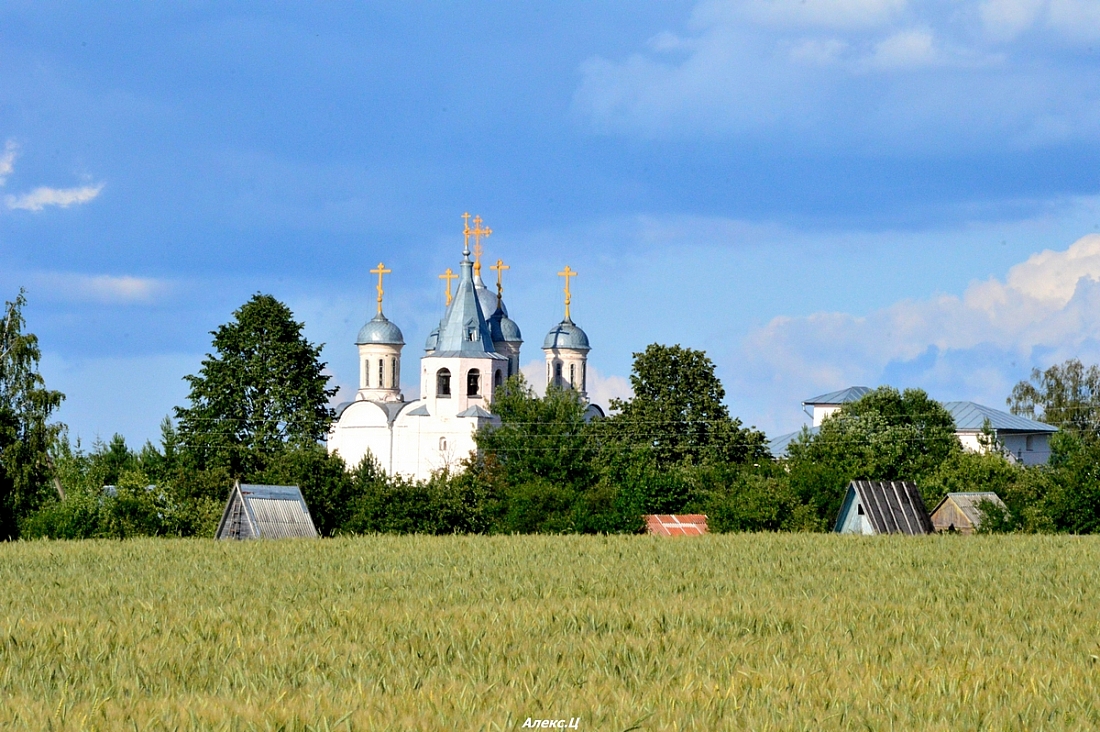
x,y
1077,20
44,196
7,161
107,289
858,72
1046,309
601,388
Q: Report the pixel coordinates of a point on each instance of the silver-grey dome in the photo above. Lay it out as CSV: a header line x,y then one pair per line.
x,y
433,340
487,299
380,330
504,329
567,334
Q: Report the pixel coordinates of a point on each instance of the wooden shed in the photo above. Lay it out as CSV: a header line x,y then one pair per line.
x,y
961,512
265,512
685,524
883,507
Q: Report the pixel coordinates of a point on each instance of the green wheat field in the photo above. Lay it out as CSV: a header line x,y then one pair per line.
x,y
754,632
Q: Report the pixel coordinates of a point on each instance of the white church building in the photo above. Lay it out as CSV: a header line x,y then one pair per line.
x,y
466,359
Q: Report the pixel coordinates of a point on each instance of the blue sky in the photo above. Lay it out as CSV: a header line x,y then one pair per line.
x,y
818,193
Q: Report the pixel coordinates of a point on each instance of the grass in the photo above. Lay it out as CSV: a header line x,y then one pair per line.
x,y
752,632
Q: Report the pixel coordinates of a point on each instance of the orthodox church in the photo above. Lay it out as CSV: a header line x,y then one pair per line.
x,y
473,351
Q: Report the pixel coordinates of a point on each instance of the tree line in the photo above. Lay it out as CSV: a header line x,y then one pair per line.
x,y
258,409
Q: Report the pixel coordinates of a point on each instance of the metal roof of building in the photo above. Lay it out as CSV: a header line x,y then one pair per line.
x,y
690,524
265,512
777,446
968,503
381,330
971,416
464,332
566,334
892,506
844,396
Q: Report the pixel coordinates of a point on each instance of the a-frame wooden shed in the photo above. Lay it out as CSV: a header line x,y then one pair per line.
x,y
265,512
962,512
883,507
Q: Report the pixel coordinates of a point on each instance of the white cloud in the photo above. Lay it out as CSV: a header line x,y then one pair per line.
x,y
945,75
1077,20
906,49
7,161
601,389
1046,309
44,196
108,289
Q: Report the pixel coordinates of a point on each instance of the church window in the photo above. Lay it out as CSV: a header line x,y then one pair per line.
x,y
393,373
557,374
473,382
443,383
584,376
572,376
498,378
443,444
366,374
380,366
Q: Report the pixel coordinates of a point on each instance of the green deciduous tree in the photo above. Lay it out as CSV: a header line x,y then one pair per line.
x,y
676,414
1066,395
886,435
26,432
539,438
261,392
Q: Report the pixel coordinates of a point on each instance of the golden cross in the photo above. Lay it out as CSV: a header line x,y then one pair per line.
x,y
479,232
499,268
567,273
448,275
466,230
380,271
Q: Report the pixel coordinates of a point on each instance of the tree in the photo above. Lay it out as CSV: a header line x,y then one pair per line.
x,y
886,435
26,432
1066,396
264,391
676,415
539,438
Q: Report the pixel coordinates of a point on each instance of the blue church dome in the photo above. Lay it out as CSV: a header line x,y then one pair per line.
x,y
567,334
504,329
380,330
433,340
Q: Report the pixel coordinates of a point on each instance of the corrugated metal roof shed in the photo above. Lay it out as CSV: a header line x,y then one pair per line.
x,y
265,512
960,511
971,416
883,507
687,524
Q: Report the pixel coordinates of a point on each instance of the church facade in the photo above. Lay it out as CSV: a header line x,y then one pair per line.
x,y
466,359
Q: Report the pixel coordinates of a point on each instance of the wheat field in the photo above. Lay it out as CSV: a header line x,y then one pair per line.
x,y
754,632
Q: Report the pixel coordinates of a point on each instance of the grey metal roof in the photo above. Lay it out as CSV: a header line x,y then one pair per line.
x,y
380,330
390,408
474,411
971,416
433,340
463,330
421,411
777,446
892,506
567,334
265,512
968,503
486,297
844,396
503,328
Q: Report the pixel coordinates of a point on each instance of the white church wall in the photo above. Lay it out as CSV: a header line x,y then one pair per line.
x,y
362,426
